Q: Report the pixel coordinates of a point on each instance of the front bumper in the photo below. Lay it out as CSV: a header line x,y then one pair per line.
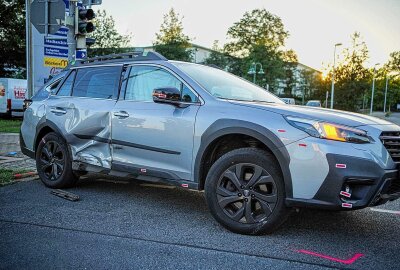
x,y
353,183
24,149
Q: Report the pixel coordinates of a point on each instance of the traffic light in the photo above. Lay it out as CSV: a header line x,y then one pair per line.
x,y
90,41
83,24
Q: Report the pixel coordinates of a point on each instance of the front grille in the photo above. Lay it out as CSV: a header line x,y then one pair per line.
x,y
394,186
391,140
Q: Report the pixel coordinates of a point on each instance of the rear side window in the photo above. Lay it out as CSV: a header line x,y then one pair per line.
x,y
97,82
45,92
65,89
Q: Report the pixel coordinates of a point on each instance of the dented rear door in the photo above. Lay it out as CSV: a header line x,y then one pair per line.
x,y
81,110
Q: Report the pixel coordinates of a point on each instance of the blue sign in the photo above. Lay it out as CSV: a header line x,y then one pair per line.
x,y
62,32
55,42
79,4
56,52
81,54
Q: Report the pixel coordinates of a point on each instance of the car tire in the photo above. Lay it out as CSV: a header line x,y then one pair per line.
x,y
245,192
53,162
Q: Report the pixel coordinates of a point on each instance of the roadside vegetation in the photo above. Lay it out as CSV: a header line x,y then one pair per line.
x,y
10,126
7,175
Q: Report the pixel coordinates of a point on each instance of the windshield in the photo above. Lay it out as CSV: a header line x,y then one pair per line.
x,y
224,85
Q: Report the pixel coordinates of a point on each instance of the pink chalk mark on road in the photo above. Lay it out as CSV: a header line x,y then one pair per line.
x,y
349,261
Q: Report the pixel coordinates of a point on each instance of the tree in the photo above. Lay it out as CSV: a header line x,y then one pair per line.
x,y
257,28
311,85
290,67
171,41
352,78
394,62
108,40
12,39
259,37
217,57
272,64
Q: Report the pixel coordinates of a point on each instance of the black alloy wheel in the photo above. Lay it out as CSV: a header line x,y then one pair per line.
x,y
247,193
53,162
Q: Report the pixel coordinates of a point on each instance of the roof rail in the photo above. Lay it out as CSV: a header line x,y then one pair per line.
x,y
133,56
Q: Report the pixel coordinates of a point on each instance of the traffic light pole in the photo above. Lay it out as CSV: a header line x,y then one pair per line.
x,y
71,31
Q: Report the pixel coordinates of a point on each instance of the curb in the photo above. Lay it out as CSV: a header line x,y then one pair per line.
x,y
24,175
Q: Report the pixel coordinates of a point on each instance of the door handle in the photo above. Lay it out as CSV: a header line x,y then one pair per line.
x,y
121,114
58,111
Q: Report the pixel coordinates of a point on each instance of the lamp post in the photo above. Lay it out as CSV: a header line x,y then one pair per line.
x,y
333,73
373,88
253,70
386,87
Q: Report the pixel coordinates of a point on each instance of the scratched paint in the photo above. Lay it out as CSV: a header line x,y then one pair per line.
x,y
348,261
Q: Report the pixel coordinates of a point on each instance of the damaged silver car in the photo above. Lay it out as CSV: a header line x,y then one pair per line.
x,y
143,117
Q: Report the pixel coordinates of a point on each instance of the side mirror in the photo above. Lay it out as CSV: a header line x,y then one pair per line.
x,y
26,104
169,95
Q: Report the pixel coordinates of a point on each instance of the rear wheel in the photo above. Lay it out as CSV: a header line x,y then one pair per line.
x,y
53,162
245,192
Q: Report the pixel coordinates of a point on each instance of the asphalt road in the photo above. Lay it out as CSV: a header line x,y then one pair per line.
x,y
130,226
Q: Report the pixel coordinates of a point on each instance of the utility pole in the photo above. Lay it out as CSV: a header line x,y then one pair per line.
x,y
28,49
326,99
70,23
333,74
386,88
373,89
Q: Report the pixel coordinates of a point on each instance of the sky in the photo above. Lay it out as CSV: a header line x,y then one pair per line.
x,y
314,25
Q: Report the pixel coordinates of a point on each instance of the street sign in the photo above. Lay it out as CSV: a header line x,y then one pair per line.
x,y
60,42
46,15
56,52
81,54
87,3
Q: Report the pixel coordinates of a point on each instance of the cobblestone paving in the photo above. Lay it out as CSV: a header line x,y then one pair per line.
x,y
9,142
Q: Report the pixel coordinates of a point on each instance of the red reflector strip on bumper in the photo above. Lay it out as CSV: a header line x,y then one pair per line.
x,y
347,205
341,166
345,194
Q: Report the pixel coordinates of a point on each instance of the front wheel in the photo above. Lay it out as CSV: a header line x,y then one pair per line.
x,y
245,192
53,162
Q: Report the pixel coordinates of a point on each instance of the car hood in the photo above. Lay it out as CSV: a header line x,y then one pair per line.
x,y
323,114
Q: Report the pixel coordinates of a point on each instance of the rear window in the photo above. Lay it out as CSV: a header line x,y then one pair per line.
x,y
97,82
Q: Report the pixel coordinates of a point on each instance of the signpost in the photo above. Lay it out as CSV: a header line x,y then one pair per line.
x,y
52,41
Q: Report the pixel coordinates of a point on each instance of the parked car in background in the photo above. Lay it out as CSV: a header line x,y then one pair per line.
x,y
143,117
314,103
290,101
12,95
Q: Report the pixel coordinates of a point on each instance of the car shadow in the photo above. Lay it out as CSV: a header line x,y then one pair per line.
x,y
191,204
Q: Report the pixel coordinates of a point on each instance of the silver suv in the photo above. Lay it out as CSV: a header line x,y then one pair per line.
x,y
143,117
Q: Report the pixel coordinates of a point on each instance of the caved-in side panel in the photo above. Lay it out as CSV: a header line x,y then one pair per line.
x,y
86,125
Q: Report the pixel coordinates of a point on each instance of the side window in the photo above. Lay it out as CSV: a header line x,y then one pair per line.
x,y
144,79
188,95
53,86
97,82
65,89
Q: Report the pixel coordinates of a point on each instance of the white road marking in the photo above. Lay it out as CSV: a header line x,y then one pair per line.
x,y
385,211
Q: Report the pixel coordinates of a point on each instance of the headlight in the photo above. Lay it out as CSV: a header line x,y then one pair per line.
x,y
329,131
